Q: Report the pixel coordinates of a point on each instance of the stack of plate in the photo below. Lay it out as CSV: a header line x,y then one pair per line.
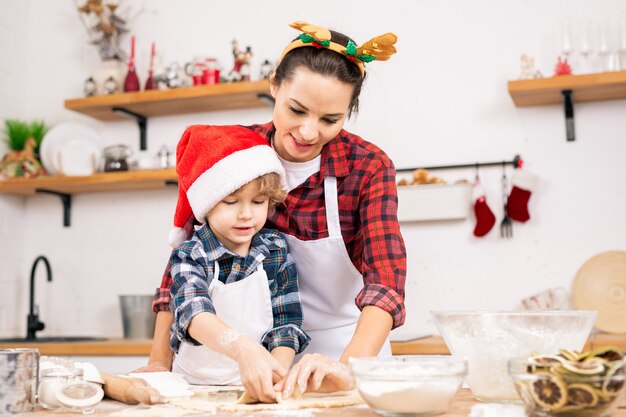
x,y
72,149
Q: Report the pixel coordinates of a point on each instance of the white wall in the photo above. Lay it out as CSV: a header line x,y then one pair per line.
x,y
13,26
441,100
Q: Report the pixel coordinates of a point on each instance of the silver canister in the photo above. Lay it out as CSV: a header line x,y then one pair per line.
x,y
138,319
19,369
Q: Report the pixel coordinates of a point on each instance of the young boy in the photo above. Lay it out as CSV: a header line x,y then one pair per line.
x,y
235,289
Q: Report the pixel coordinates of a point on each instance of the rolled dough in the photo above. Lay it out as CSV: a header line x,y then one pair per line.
x,y
213,401
309,400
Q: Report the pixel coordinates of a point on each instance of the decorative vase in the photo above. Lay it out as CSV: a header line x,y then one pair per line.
x,y
110,69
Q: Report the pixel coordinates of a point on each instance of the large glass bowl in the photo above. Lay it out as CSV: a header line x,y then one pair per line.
x,y
558,392
488,339
411,385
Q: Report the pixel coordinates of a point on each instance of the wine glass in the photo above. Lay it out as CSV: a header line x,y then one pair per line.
x,y
608,57
622,43
567,46
585,48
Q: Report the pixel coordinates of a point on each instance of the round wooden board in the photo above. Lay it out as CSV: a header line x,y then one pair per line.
x,y
600,284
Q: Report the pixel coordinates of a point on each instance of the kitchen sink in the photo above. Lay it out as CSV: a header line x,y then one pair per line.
x,y
49,339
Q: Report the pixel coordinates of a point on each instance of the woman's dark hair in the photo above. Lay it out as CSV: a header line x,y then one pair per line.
x,y
324,62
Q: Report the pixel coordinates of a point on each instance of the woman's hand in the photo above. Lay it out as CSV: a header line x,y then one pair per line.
x,y
316,372
258,369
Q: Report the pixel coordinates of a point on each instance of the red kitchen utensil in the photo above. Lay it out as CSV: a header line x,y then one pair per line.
x,y
131,83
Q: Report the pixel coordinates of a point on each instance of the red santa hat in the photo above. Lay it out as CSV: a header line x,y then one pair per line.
x,y
212,162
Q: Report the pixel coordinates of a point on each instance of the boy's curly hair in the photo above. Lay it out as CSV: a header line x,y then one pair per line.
x,y
271,187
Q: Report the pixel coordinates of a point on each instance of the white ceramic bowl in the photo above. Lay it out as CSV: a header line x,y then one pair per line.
x,y
488,339
409,385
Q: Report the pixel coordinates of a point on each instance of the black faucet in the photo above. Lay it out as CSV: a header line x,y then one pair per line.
x,y
33,323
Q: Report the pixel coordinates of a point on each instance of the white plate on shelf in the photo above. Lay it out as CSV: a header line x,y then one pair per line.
x,y
74,145
77,157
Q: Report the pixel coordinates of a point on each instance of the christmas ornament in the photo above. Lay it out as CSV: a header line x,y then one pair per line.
x,y
150,84
524,183
485,219
131,83
562,67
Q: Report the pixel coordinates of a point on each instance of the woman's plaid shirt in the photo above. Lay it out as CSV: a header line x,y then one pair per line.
x,y
193,266
368,203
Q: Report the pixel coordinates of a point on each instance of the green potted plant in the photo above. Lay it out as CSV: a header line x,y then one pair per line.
x,y
23,139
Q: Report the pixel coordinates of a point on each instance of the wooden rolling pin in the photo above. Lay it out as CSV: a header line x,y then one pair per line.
x,y
130,390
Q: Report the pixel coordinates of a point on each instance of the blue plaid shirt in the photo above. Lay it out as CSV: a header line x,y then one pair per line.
x,y
193,269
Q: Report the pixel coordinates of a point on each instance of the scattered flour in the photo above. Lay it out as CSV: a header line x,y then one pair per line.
x,y
497,410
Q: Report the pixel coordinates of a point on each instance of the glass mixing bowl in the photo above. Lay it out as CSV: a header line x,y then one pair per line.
x,y
566,388
488,339
411,385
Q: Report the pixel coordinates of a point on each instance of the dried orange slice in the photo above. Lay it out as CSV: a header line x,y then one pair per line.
x,y
588,367
549,391
582,395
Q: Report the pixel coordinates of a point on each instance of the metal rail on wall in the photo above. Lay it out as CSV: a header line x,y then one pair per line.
x,y
517,162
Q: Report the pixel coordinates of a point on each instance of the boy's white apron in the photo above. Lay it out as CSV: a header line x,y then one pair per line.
x,y
244,305
328,283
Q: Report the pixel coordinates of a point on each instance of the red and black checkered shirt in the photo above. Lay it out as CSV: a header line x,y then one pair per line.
x,y
368,203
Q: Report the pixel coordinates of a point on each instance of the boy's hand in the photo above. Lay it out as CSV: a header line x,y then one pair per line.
x,y
316,372
258,369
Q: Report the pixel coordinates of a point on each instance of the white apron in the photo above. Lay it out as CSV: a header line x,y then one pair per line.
x,y
328,283
244,305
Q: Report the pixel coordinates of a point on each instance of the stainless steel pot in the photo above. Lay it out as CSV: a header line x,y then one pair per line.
x,y
138,319
19,369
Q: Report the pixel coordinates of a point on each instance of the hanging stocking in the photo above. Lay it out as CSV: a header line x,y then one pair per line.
x,y
523,183
484,216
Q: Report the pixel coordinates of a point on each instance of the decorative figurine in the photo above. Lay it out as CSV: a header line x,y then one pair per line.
x,y
562,67
173,76
110,86
22,163
90,87
528,68
266,70
241,67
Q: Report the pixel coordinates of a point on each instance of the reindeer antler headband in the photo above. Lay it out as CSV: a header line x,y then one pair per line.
x,y
379,48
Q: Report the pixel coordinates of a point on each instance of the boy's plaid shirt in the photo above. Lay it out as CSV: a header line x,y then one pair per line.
x,y
193,266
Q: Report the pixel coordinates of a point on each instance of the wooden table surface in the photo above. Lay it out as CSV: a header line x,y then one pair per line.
x,y
432,345
460,408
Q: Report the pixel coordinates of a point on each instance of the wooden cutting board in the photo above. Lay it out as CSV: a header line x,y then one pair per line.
x,y
600,285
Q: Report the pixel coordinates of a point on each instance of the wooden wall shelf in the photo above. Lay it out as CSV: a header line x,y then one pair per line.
x,y
567,89
100,182
64,187
225,96
140,106
144,104
586,87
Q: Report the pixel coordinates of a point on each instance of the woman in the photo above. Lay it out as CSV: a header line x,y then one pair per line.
x,y
340,216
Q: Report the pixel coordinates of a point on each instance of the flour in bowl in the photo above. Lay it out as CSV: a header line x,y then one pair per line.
x,y
410,397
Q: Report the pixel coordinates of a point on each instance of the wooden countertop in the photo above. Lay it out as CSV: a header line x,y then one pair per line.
x,y
433,345
460,408
111,347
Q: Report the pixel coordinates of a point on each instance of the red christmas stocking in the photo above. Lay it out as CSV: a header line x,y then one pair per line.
x,y
524,183
484,216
